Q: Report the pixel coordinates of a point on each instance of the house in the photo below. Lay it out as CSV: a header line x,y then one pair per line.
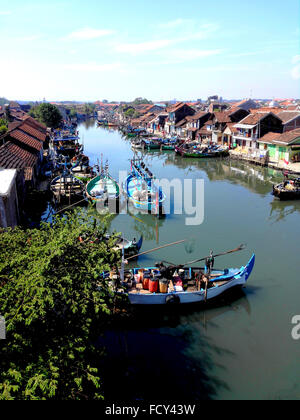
x,y
282,146
246,104
157,124
22,147
290,120
204,134
9,203
195,122
221,119
177,113
255,126
217,107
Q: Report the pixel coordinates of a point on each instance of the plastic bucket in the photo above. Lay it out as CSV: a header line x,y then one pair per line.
x,y
163,286
153,285
146,281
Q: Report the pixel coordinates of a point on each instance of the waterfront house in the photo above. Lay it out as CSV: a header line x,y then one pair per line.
x,y
255,126
22,147
220,121
196,122
177,113
283,147
9,203
157,123
290,120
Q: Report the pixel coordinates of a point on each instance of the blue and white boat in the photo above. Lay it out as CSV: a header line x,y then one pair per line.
x,y
186,286
141,189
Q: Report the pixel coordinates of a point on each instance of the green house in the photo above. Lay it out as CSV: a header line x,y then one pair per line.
x,y
285,146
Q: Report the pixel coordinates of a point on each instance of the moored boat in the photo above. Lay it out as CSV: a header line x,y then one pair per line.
x,y
141,189
103,188
67,189
287,190
151,286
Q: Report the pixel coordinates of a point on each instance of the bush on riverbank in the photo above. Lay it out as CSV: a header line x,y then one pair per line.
x,y
53,312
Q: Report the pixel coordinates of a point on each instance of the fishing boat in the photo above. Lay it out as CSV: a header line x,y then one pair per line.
x,y
287,190
103,187
84,173
151,286
66,188
196,151
131,248
151,144
141,189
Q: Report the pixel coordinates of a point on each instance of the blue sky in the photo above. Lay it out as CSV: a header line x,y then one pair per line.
x,y
162,49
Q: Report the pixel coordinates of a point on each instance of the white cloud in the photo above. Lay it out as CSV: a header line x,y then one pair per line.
x,y
295,73
143,46
89,33
175,23
5,13
93,67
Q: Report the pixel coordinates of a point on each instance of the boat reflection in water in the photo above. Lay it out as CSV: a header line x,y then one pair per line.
x,y
254,178
280,210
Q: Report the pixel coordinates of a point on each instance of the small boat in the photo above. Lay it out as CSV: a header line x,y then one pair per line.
x,y
67,188
202,152
148,286
151,144
131,248
141,189
287,190
103,187
84,173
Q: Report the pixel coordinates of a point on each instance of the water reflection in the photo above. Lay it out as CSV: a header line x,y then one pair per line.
x,y
254,178
280,210
167,355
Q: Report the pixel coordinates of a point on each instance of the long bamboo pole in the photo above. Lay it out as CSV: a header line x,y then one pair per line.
x,y
156,249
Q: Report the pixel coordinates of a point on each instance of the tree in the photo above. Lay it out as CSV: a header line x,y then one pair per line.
x,y
47,114
55,306
129,113
141,101
3,126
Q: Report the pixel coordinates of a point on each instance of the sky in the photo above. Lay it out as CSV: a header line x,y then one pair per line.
x,y
88,50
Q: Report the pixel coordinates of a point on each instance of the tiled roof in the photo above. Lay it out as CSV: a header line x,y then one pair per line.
x,y
175,107
197,115
253,119
222,117
35,124
181,123
28,128
25,138
15,157
269,137
285,138
287,116
231,127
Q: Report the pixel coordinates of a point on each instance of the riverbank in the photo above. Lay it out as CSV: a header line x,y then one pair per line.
x,y
292,168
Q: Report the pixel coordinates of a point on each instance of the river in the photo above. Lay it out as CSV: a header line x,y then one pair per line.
x,y
242,348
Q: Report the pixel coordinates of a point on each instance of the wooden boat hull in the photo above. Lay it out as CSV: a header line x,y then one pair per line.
x,y
67,189
219,285
286,195
112,186
134,184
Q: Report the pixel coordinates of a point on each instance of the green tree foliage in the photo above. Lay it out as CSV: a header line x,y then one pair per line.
x,y
47,114
129,113
3,126
54,309
141,101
